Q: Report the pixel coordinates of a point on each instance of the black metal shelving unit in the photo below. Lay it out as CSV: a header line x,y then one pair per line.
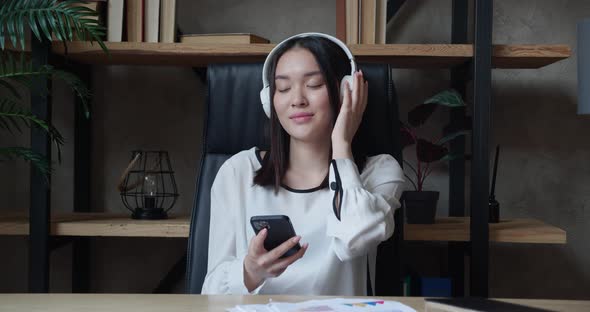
x,y
478,69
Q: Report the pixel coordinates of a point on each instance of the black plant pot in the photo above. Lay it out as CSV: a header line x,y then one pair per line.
x,y
420,206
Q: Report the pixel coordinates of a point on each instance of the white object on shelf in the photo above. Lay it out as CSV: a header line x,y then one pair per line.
x,y
168,21
152,20
115,21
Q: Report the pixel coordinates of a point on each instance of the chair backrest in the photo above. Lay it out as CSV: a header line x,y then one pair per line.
x,y
235,121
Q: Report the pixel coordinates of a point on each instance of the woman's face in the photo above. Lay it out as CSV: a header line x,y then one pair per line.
x,y
301,98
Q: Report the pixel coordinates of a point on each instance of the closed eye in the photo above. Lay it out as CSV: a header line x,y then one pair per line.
x,y
283,90
316,86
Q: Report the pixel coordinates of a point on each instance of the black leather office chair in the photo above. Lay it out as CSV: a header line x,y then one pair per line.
x,y
235,121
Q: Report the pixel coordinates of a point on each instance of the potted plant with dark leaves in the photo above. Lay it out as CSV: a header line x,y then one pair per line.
x,y
420,204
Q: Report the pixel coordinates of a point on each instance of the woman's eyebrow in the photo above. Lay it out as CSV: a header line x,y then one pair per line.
x,y
313,73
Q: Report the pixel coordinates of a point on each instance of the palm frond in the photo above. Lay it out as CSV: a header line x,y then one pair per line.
x,y
45,17
15,66
12,116
36,159
77,85
11,89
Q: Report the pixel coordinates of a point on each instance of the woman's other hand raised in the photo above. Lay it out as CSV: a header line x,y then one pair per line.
x,y
349,119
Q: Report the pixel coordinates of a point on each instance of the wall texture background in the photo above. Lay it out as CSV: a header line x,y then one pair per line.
x,y
543,172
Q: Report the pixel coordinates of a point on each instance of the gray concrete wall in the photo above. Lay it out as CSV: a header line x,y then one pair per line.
x,y
542,174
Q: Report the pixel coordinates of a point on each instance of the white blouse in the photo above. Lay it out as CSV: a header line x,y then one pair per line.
x,y
335,262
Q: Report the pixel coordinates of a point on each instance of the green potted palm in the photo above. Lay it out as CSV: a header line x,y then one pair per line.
x,y
420,204
65,20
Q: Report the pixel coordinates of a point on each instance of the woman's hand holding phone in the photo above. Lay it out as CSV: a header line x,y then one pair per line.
x,y
261,264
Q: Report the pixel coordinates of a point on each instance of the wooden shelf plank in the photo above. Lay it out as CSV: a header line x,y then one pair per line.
x,y
14,225
528,56
101,224
445,229
398,55
508,231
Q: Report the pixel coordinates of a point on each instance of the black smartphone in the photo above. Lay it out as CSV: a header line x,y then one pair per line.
x,y
279,229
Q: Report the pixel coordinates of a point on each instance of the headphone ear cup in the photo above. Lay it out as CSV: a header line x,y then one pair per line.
x,y
265,99
343,82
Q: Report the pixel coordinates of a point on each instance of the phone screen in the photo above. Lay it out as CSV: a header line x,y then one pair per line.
x,y
279,229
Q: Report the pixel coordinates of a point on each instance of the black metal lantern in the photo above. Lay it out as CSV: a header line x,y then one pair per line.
x,y
147,186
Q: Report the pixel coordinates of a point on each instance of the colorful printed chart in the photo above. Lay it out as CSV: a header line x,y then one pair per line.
x,y
329,305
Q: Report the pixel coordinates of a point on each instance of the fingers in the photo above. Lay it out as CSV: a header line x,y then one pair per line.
x,y
283,248
347,96
361,89
356,83
257,242
360,100
281,265
365,96
359,103
260,264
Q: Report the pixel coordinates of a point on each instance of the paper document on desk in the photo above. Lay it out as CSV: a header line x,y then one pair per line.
x,y
327,305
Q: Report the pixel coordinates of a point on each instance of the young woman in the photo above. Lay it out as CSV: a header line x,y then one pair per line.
x,y
341,203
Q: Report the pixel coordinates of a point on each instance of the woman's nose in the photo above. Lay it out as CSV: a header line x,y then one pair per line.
x,y
298,98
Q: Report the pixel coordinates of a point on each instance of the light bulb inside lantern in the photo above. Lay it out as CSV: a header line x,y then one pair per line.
x,y
150,189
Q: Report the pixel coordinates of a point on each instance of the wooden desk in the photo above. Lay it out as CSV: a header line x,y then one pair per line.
x,y
148,303
192,303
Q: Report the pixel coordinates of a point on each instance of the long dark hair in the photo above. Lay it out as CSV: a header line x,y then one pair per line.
x,y
334,65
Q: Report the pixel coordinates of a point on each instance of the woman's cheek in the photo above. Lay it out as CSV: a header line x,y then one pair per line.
x,y
279,102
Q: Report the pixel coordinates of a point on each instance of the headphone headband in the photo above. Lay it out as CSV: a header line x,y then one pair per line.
x,y
265,92
266,83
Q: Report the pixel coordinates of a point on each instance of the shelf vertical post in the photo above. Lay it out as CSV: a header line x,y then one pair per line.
x,y
482,75
82,173
40,197
459,78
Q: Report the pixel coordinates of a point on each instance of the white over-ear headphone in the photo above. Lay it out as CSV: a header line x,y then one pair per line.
x,y
265,92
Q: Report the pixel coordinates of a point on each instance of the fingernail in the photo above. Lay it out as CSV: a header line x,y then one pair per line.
x,y
295,239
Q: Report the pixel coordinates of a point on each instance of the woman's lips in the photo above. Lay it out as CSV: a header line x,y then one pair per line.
x,y
301,118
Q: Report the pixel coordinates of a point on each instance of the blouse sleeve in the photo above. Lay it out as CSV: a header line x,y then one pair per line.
x,y
225,268
363,206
